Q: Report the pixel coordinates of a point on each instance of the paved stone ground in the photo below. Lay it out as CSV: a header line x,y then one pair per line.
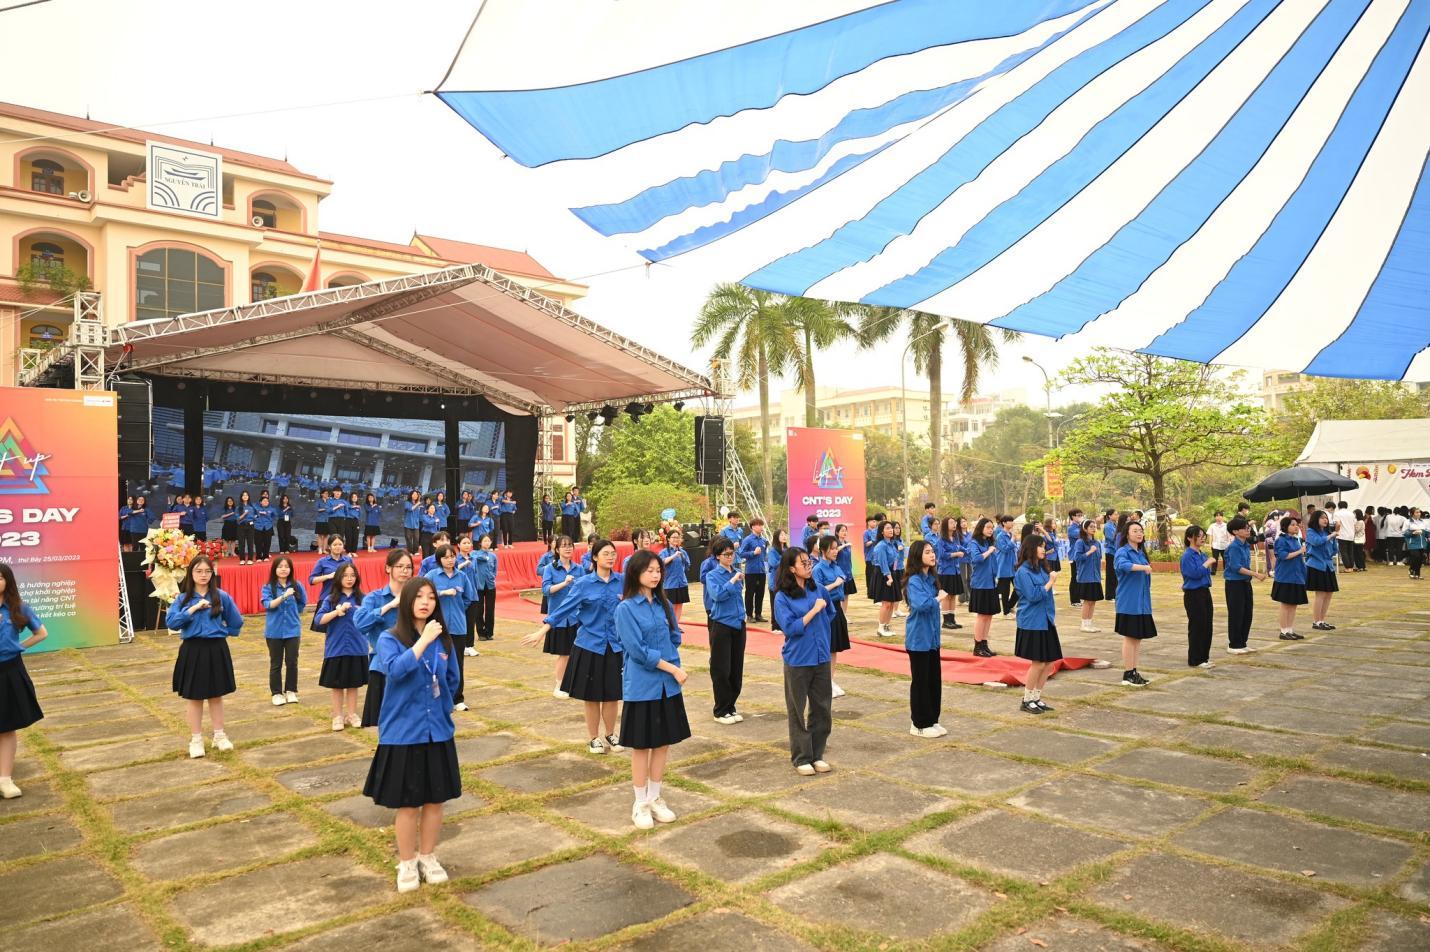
x,y
1282,799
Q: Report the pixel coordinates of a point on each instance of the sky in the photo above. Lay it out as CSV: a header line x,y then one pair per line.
x,y
335,86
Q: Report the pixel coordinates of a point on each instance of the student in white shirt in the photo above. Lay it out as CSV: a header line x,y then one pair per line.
x,y
1346,536
1220,539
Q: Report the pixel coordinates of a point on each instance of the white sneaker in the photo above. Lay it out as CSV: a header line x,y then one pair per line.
x,y
640,815
9,791
460,706
430,870
899,613
559,694
660,811
885,631
353,720
221,741
821,767
279,700
595,747
942,731
614,744
470,652
835,690
726,719
1238,651
196,748
291,696
924,731
805,770
408,878
1249,649
1206,665
1090,629
339,725
737,716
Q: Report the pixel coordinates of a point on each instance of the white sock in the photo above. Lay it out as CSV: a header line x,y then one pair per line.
x,y
1027,694
194,737
652,791
640,793
1037,694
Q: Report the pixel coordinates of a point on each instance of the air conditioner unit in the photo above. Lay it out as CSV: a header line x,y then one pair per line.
x,y
258,222
83,195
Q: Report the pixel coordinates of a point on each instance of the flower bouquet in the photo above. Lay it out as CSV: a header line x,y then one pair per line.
x,y
167,553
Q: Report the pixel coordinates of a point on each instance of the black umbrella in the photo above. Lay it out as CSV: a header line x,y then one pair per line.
x,y
1299,481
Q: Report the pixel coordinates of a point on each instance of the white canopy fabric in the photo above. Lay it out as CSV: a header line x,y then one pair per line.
x,y
1211,180
465,329
1390,459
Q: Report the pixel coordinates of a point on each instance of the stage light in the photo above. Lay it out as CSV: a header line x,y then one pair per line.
x,y
389,398
679,405
183,386
312,394
263,391
347,396
590,416
230,388
647,408
570,418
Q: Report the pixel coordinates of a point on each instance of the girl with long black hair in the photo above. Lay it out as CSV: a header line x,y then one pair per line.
x,y
247,515
283,602
1037,636
983,585
377,614
804,619
345,650
19,707
205,617
922,641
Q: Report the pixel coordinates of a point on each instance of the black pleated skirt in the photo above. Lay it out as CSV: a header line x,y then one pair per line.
x,y
646,725
372,703
1318,580
545,607
343,671
593,677
850,588
839,629
19,707
229,533
951,584
1038,645
678,596
413,775
204,669
984,601
1135,626
871,581
1288,593
1087,591
559,641
883,591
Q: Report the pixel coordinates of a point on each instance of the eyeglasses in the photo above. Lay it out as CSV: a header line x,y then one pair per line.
x,y
803,562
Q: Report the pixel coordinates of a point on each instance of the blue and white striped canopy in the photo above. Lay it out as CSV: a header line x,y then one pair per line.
x,y
1226,181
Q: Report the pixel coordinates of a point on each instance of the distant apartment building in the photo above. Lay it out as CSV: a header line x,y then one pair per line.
x,y
883,409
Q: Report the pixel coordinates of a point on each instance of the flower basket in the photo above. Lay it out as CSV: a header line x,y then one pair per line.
x,y
168,554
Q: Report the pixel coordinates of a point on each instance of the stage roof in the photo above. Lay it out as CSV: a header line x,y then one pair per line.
x,y
1368,441
466,329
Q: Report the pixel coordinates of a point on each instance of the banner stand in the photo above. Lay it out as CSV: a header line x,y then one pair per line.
x,y
126,621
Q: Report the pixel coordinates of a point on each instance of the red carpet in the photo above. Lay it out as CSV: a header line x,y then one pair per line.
x,y
959,667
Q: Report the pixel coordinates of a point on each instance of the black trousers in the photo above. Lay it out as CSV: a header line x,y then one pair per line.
x,y
245,541
546,528
424,542
926,688
265,543
285,537
1072,579
350,534
1238,613
571,527
1218,558
727,666
1415,558
413,537
486,613
460,643
1360,555
282,661
1394,549
1007,594
1198,603
508,527
1347,553
1109,579
754,595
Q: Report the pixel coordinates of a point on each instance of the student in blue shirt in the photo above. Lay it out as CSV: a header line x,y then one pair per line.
x,y
675,562
811,532
228,526
869,539
750,555
779,541
19,707
1112,538
885,558
430,562
922,641
732,531
265,517
1238,576
928,525
247,514
376,614
653,710
594,673
829,579
509,507
484,565
345,649
283,602
901,552
412,521
1197,598
456,590
481,523
1321,568
444,511
556,580
324,570
372,521
414,769
1007,552
199,518
184,506
548,518
983,584
321,528
1036,640
570,517
804,619
1075,532
1288,586
845,559
949,551
431,525
466,508
126,541
352,528
725,606
205,617
139,519
1086,555
1134,620
286,542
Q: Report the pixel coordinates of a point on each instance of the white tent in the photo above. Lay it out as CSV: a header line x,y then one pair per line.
x,y
1389,458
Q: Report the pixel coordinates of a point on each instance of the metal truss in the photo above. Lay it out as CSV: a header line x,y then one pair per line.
x,y
327,383
736,492
667,396
453,377
84,350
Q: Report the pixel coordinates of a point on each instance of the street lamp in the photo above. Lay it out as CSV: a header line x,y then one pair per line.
x,y
1048,398
936,412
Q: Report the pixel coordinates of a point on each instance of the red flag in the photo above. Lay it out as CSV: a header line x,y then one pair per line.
x,y
315,278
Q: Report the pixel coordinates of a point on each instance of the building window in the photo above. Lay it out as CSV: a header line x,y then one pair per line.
x,y
402,443
355,438
265,286
45,335
266,211
173,281
43,254
558,446
47,176
320,433
270,426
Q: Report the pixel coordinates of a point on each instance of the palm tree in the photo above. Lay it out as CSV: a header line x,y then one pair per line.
x,y
752,336
926,334
815,324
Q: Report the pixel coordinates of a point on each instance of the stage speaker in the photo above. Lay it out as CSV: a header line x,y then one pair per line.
x,y
709,450
135,403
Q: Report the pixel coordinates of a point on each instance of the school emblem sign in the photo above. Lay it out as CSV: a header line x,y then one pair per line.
x,y
185,181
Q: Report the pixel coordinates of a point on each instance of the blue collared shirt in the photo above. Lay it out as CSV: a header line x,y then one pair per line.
x,y
921,628
1007,552
370,619
484,562
454,607
724,598
555,574
1195,573
985,567
1134,589
1322,554
10,632
806,646
203,624
1238,556
325,566
1288,570
411,515
591,607
342,635
751,553
1086,557
282,622
676,570
1037,608
649,635
410,714
826,573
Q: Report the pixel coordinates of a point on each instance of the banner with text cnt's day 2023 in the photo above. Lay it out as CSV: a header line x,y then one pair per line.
x,y
826,480
59,526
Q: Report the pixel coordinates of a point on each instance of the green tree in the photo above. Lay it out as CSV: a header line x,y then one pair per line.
x,y
660,448
1163,417
1329,398
637,505
747,448
753,338
884,466
927,333
993,473
815,325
